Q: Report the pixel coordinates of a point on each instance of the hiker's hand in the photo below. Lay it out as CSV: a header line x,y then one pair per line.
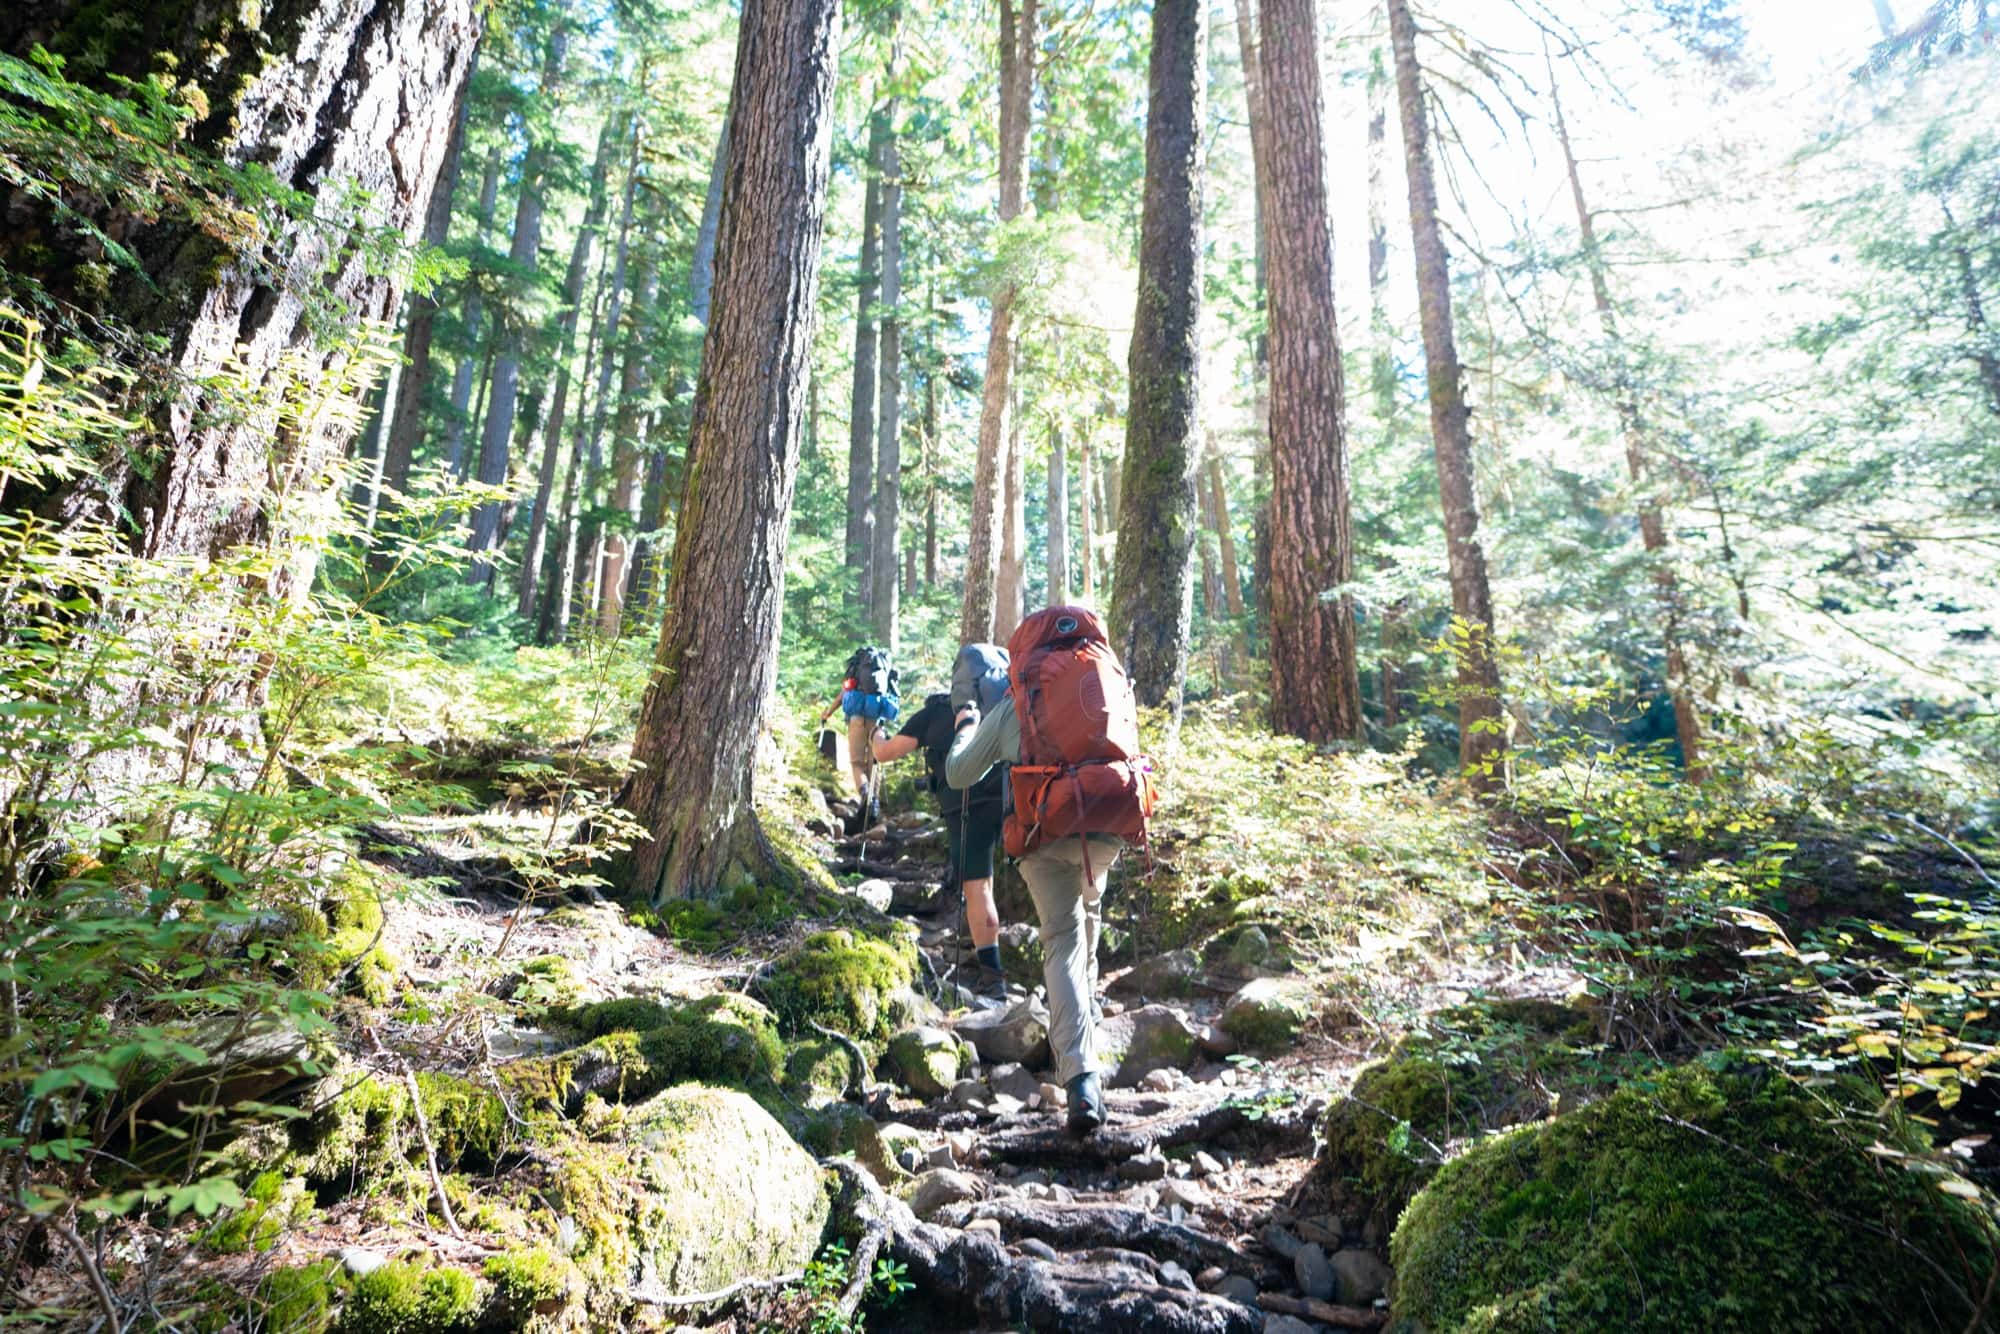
x,y
967,713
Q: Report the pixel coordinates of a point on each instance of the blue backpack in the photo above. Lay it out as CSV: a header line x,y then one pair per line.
x,y
979,677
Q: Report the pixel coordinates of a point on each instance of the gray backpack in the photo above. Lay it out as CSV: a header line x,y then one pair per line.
x,y
979,677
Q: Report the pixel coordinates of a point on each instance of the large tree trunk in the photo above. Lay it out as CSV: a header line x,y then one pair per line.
x,y
1058,520
628,443
466,365
1315,685
885,564
1381,349
573,281
406,422
372,107
1152,589
701,275
559,562
982,553
1086,517
1010,593
1225,534
1652,521
496,441
718,650
861,410
1482,741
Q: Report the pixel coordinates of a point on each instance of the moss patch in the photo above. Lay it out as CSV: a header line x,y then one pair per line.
x,y
364,1134
721,1039
531,1287
1477,1067
273,1203
547,983
301,1299
844,979
353,954
1696,1201
629,1014
402,1298
1267,1014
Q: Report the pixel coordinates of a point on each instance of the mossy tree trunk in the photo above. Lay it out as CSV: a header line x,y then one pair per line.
x,y
1315,684
1152,588
1482,741
882,572
373,106
716,664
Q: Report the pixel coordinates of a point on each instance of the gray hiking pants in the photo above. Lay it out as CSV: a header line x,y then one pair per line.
x,y
1069,903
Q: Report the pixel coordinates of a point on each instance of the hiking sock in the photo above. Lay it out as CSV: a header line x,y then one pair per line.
x,y
988,956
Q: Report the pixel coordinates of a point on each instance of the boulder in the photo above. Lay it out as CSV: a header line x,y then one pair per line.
x,y
1013,1081
1150,1038
1017,1034
1246,951
1695,1199
1360,1276
877,893
1314,1273
701,1189
1267,1014
927,1061
844,979
943,1186
1175,973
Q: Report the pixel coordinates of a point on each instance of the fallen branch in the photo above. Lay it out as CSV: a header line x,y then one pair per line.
x,y
859,1087
719,1298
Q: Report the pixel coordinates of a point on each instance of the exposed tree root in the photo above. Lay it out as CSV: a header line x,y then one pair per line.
x,y
1076,1227
1107,1291
1326,1313
1283,1128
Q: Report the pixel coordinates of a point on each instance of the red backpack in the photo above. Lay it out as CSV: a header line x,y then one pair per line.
x,y
1080,770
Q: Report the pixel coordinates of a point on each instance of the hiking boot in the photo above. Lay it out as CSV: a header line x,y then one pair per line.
x,y
989,987
1086,1105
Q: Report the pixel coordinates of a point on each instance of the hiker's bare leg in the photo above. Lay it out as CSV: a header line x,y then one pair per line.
x,y
982,919
860,755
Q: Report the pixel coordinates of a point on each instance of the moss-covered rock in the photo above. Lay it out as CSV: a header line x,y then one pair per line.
x,y
273,1203
721,1039
402,1298
548,982
843,979
818,1072
363,1132
1267,1014
627,1014
928,1061
1696,1201
353,955
536,1287
700,1188
1476,1067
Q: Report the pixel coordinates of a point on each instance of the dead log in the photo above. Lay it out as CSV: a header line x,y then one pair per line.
x,y
1076,1227
1283,1129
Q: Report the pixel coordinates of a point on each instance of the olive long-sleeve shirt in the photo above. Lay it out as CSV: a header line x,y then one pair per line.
x,y
975,750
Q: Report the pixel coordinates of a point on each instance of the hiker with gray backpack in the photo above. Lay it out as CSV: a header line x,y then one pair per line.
x,y
971,817
1078,787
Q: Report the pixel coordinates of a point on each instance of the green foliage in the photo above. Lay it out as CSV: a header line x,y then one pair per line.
x,y
1695,1198
814,1301
302,1299
538,1281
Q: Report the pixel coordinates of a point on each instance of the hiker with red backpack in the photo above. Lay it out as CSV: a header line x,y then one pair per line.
x,y
1069,730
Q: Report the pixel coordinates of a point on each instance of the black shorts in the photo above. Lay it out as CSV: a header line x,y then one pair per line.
x,y
973,832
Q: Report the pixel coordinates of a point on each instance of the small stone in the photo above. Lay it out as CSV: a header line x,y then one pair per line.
x,y
1184,1193
359,1260
989,1226
1038,1248
1280,1242
1267,1014
927,1060
1160,1081
1210,1276
971,1094
1148,1166
1238,1289
1053,1097
1036,1190
1173,1275
1171,974
1034,1101
936,1189
1214,1041
1145,1198
1205,1163
1287,1324
940,1155
1018,1034
909,1160
1034,1176
876,893
1321,1230
1013,1080
1361,1276
962,1142
1314,1274
1002,1105
1063,1194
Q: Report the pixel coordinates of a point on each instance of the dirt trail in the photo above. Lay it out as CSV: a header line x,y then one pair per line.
x,y
1192,1210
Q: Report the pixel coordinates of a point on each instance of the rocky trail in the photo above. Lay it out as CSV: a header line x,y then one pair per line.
x,y
1192,1210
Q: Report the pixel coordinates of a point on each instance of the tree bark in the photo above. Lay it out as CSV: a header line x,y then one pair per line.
x,y
406,424
1058,520
628,442
1256,105
1381,349
496,441
982,555
1482,740
716,664
1315,684
885,564
573,281
1153,586
466,365
1652,520
1225,534
861,411
1010,594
